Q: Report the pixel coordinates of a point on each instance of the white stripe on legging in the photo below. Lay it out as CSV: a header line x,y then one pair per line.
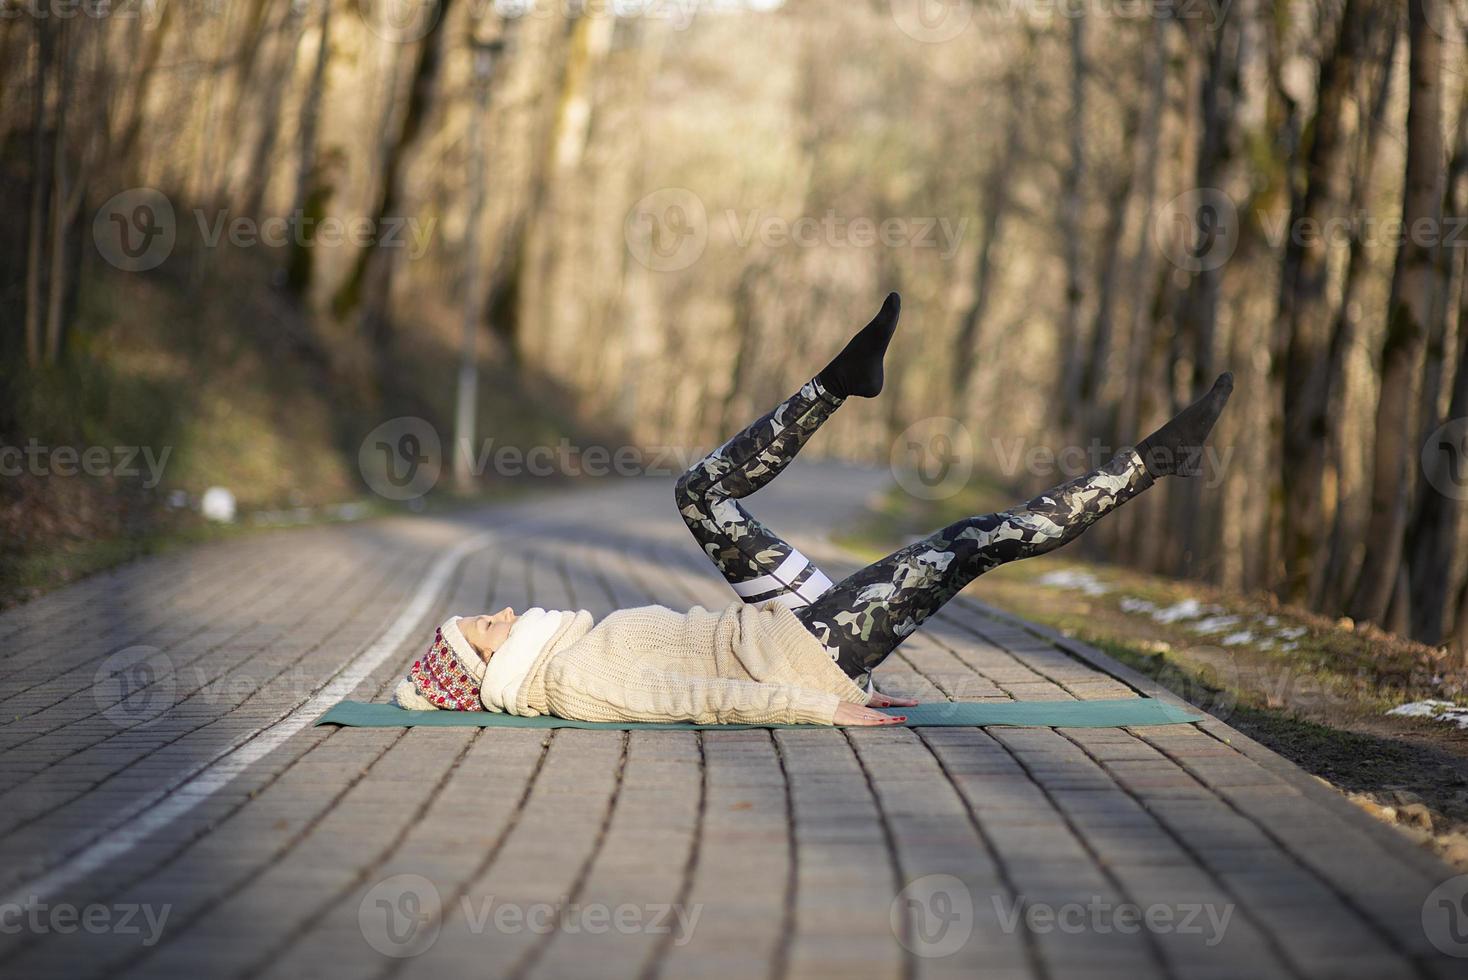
x,y
780,578
815,586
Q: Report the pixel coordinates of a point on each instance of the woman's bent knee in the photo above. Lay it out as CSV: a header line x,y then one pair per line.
x,y
684,491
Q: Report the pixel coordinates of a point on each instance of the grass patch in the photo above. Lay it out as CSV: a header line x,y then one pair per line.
x,y
248,390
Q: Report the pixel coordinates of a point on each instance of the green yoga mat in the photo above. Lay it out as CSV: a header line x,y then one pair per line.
x,y
1031,714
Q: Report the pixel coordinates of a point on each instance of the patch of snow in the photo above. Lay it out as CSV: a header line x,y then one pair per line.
x,y
1083,582
1187,609
351,511
1214,624
218,505
1262,632
1434,709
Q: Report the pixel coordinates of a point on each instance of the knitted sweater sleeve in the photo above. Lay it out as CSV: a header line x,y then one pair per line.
x,y
652,695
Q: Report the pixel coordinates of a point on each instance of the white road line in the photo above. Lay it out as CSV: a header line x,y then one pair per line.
x,y
154,813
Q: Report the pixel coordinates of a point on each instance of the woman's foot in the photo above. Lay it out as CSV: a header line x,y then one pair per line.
x,y
1177,447
857,370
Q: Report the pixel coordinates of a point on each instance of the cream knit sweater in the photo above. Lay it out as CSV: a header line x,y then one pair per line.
x,y
744,664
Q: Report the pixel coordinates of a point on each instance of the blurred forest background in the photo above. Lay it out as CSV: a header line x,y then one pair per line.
x,y
653,219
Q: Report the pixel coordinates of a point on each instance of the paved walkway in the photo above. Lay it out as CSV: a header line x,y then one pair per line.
x,y
166,810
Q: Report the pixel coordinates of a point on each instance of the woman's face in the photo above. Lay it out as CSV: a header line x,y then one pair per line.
x,y
487,633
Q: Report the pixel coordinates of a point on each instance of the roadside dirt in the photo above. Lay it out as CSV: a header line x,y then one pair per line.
x,y
1314,690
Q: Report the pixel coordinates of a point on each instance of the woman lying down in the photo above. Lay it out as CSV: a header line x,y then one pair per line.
x,y
793,649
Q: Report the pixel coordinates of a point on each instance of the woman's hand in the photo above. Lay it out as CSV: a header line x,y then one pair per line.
x,y
855,714
880,700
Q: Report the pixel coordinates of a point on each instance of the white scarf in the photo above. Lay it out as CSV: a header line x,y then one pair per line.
x,y
512,661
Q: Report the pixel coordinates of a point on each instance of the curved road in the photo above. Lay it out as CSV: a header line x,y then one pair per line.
x,y
166,808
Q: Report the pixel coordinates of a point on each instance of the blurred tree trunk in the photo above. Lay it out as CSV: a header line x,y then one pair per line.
x,y
1219,52
516,292
1282,119
591,38
1438,527
1142,285
60,194
466,410
1336,580
1072,230
1143,348
70,192
1436,338
278,78
1412,296
369,287
1095,372
135,100
1459,641
241,85
227,44
994,206
1433,538
40,191
307,199
1304,311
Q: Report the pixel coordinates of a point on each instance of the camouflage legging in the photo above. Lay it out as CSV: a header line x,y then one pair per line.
x,y
864,617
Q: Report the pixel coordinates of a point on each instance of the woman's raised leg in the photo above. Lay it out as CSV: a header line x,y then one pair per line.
x,y
756,562
864,617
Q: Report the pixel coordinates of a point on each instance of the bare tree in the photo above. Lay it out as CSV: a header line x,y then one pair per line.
x,y
1305,308
1433,537
1413,293
298,263
41,191
370,284
995,204
1071,225
467,398
1337,580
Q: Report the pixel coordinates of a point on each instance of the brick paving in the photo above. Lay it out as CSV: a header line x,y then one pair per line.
x,y
134,843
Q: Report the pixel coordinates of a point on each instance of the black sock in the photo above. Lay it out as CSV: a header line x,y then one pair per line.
x,y
857,370
1177,447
